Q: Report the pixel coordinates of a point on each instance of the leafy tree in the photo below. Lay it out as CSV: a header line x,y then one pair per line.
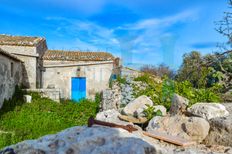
x,y
220,67
192,70
221,62
207,71
224,27
212,69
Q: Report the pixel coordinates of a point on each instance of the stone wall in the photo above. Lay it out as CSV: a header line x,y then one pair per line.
x,y
32,58
120,94
128,72
40,49
60,73
9,79
23,50
53,94
29,71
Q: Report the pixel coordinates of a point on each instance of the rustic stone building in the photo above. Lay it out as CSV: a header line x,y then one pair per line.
x,y
30,50
10,75
71,74
66,70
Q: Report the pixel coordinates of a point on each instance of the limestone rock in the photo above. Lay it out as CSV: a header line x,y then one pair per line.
x,y
84,140
179,105
108,100
138,105
196,128
154,123
110,116
228,107
102,140
190,128
161,108
208,110
139,112
220,131
27,98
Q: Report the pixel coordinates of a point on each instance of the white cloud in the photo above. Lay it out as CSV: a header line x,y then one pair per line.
x,y
159,23
87,34
142,38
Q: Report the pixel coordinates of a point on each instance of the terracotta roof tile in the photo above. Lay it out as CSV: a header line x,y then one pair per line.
x,y
7,54
19,40
77,56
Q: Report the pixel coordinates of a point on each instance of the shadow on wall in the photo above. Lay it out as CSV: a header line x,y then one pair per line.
x,y
11,104
25,79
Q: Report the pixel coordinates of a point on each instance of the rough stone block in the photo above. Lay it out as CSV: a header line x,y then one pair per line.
x,y
27,98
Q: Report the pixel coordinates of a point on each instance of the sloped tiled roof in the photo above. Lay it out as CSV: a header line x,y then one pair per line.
x,y
7,54
77,56
19,40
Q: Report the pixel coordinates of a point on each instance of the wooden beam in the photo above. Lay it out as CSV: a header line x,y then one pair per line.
x,y
168,138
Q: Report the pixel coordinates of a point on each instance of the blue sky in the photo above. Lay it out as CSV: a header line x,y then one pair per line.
x,y
138,31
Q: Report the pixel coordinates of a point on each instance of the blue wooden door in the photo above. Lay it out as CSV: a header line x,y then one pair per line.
x,y
78,88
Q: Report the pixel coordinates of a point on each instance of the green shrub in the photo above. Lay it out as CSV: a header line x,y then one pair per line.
x,y
121,80
146,78
162,93
185,89
150,112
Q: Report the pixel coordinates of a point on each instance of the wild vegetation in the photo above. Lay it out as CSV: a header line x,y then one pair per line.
x,y
161,71
200,77
22,121
161,93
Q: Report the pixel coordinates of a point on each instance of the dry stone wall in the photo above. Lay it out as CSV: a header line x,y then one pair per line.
x,y
120,94
53,94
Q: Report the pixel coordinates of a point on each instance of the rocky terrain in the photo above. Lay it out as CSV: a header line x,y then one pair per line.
x,y
97,139
209,125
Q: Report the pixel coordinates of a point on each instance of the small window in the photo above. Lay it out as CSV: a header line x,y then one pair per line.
x,y
11,69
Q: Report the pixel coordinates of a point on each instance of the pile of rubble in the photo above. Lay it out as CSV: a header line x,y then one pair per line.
x,y
204,123
207,124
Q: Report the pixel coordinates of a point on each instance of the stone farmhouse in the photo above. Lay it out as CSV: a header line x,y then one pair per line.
x,y
57,74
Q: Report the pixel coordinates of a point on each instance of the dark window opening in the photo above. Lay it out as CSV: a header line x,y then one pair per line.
x,y
11,69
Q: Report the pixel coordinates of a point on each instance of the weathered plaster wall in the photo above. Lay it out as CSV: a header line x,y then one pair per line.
x,y
32,58
8,82
97,76
29,71
24,50
41,48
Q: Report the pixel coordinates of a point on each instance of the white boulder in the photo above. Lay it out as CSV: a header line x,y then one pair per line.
x,y
137,106
27,98
84,140
99,140
208,110
110,116
190,128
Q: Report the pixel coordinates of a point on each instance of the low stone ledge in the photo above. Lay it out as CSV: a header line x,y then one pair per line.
x,y
53,94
